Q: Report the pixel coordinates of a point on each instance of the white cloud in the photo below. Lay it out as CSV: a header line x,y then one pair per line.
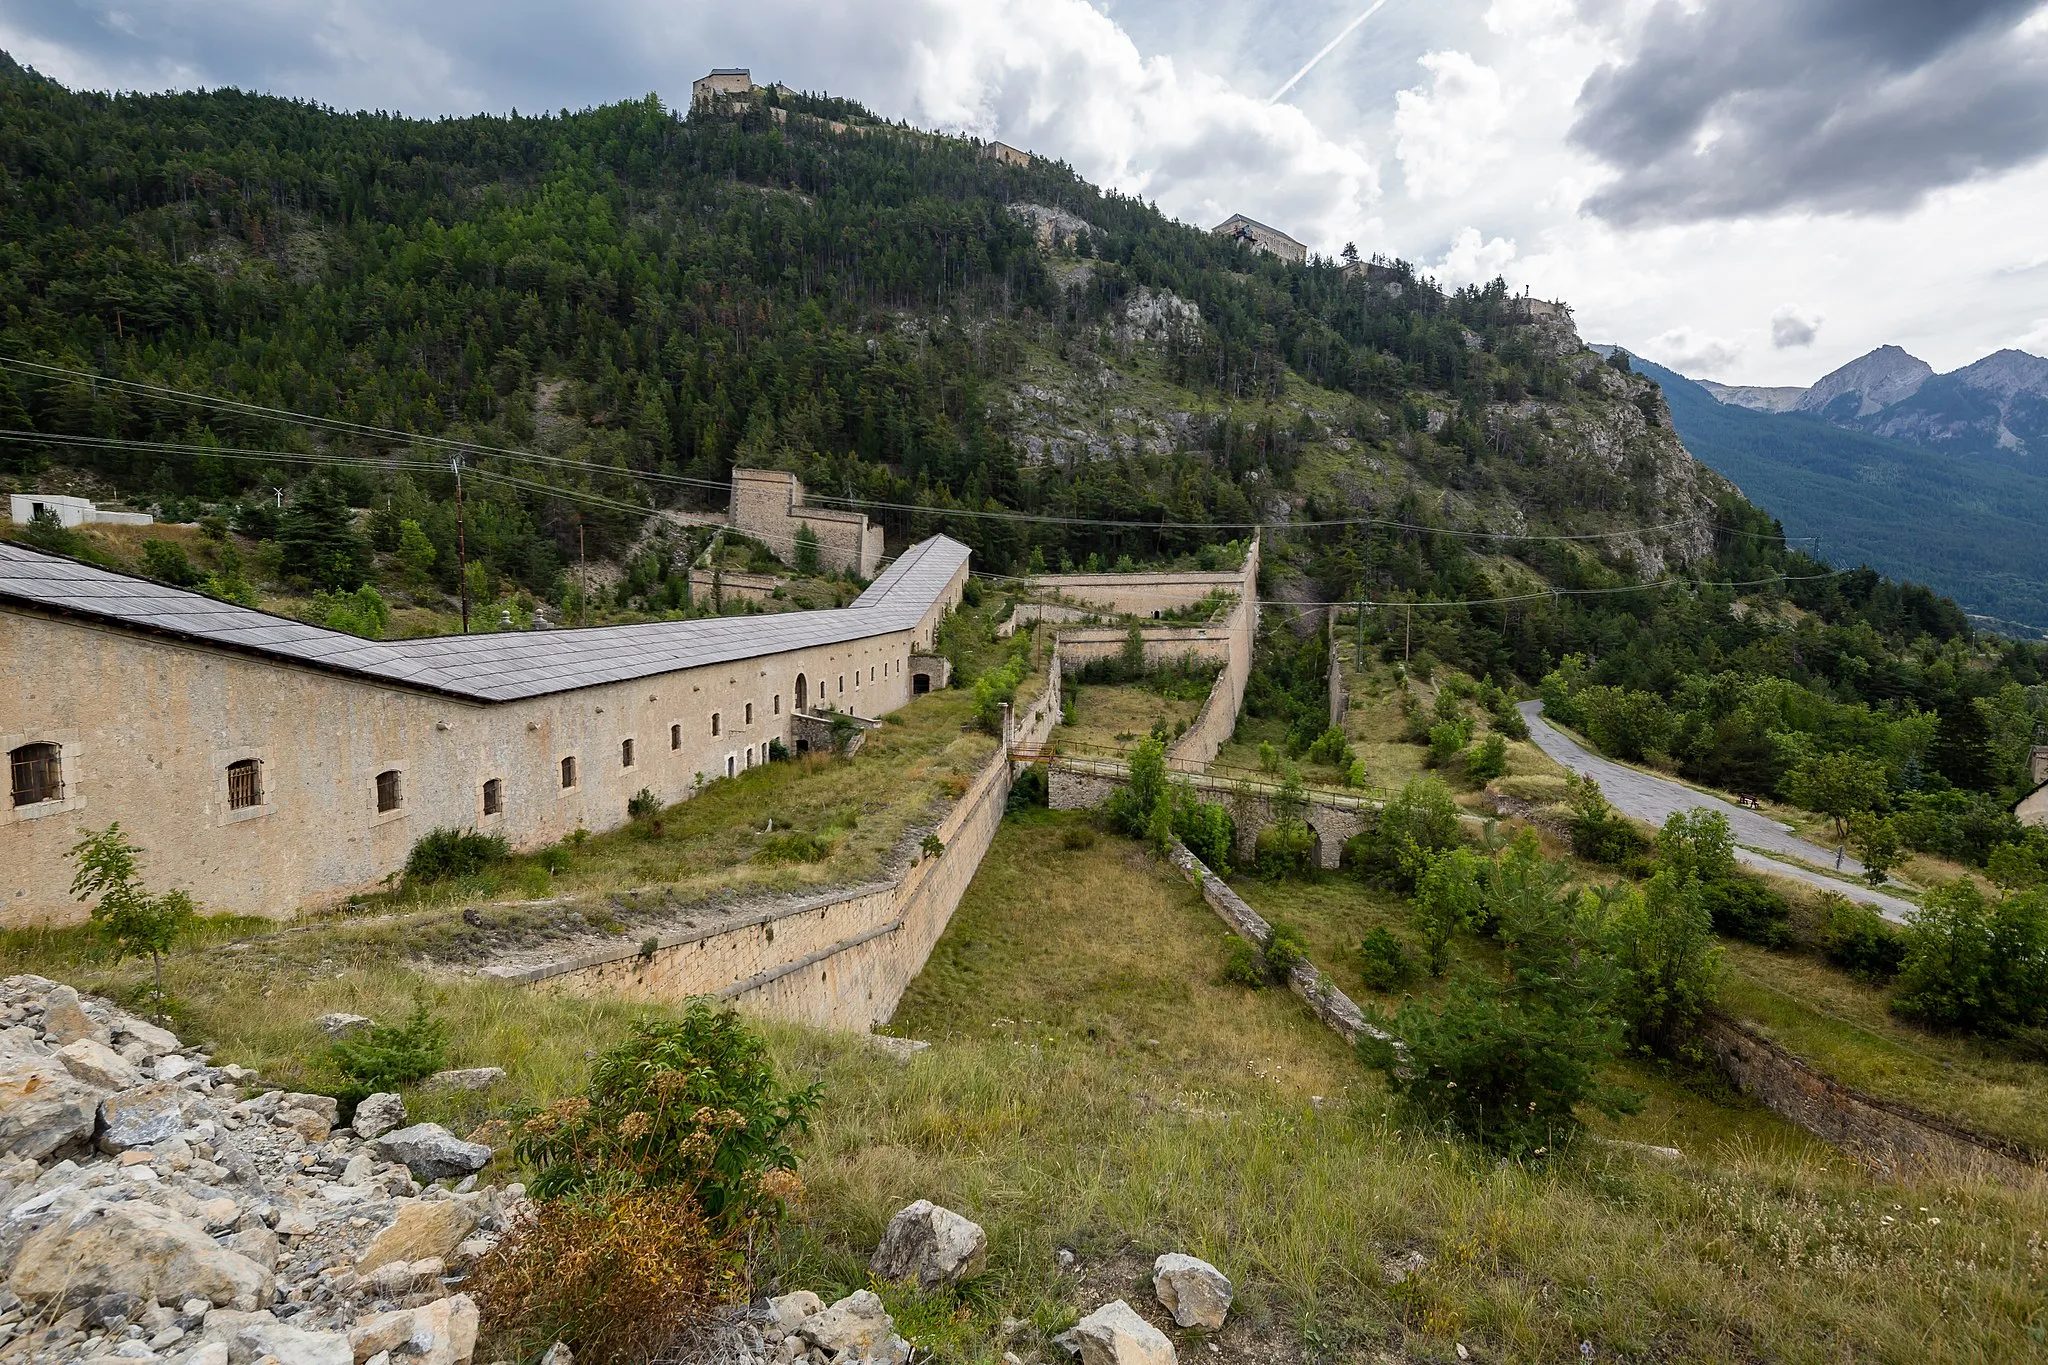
x,y
1792,327
1691,353
1473,259
1444,135
2034,340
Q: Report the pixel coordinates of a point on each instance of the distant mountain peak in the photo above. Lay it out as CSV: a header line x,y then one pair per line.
x,y
1877,380
2007,373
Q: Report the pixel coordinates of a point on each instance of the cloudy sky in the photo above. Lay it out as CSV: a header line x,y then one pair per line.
x,y
1748,190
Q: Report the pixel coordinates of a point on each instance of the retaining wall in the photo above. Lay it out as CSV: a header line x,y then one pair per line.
x,y
1216,722
1894,1139
1086,784
842,959
1340,699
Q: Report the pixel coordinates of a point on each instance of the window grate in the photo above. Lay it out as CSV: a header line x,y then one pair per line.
x,y
390,795
568,773
245,784
36,774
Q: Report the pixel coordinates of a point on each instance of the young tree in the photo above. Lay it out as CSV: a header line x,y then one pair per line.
x,y
1838,785
806,549
130,918
1446,901
1876,841
1662,941
319,540
1696,843
415,552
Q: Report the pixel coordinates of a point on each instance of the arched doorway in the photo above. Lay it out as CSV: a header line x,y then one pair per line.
x,y
802,692
920,683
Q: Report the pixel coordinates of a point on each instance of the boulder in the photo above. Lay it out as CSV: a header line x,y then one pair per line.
x,y
466,1078
175,1066
98,1065
855,1323
559,1354
43,1107
258,1243
439,1333
309,1124
1195,1292
422,1228
144,1115
341,1024
900,1050
378,1115
326,1106
1114,1334
133,1248
788,1310
65,1020
152,1040
431,1152
931,1245
288,1345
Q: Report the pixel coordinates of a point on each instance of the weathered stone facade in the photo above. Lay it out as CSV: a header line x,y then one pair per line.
x,y
351,768
768,505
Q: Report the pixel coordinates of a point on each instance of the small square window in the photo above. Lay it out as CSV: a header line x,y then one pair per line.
x,y
494,796
245,784
390,790
625,753
675,736
568,773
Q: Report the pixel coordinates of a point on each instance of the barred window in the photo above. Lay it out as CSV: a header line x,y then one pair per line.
x,y
625,753
36,774
390,793
245,784
568,772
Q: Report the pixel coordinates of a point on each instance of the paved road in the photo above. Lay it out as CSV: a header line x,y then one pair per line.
x,y
1654,799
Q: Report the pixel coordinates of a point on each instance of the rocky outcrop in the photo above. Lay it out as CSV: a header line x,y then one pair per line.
x,y
199,1218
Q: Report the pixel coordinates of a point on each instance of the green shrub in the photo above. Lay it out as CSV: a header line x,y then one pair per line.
x,y
1487,760
778,752
1745,908
1331,748
1506,720
1286,947
1206,828
1028,791
691,1104
1243,963
1859,940
1446,740
1662,939
384,1057
794,846
1599,833
1422,819
1077,837
642,805
444,853
1976,962
1285,848
1382,960
165,561
130,919
1447,902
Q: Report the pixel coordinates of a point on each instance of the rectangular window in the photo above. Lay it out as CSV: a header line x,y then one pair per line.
x,y
568,773
390,792
245,784
675,736
625,753
494,797
36,774
842,684
750,713
750,755
728,765
714,724
871,672
775,704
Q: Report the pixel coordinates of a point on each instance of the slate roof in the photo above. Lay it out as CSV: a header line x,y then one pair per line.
x,y
495,667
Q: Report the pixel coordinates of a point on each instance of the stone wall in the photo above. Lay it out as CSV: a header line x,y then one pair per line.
x,y
839,960
1892,1138
1163,644
768,505
1084,784
1340,699
1216,722
706,586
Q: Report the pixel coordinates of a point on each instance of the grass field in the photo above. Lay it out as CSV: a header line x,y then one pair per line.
x,y
1117,716
1093,1085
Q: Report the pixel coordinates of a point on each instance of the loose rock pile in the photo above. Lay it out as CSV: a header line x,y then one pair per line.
x,y
154,1207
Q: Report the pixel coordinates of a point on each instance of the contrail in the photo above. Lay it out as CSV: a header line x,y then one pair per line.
x,y
1328,47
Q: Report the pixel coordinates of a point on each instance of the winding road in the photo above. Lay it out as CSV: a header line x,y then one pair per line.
x,y
1654,799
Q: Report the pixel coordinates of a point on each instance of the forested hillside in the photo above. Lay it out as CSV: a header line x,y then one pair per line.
x,y
602,312
1969,526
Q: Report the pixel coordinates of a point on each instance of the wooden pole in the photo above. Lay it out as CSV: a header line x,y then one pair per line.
x,y
461,546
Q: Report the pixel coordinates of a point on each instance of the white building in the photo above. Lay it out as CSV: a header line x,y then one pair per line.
x,y
69,512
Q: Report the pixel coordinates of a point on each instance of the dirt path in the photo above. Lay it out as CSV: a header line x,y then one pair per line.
x,y
1651,798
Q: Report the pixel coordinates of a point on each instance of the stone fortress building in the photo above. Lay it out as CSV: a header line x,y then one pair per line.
x,y
266,764
1261,238
768,505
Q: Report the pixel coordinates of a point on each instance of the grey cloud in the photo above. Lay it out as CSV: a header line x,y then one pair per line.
x,y
1742,107
1789,329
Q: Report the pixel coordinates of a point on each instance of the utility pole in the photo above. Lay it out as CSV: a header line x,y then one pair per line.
x,y
582,578
1407,633
461,543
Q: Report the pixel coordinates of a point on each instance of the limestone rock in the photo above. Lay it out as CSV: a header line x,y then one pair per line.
x,y
1195,1292
309,1124
289,1345
326,1106
466,1078
559,1354
65,1020
788,1310
144,1115
1114,1334
439,1333
258,1243
43,1107
133,1248
431,1152
854,1324
378,1115
422,1228
341,1024
931,1245
153,1041
98,1065
174,1066
896,1049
